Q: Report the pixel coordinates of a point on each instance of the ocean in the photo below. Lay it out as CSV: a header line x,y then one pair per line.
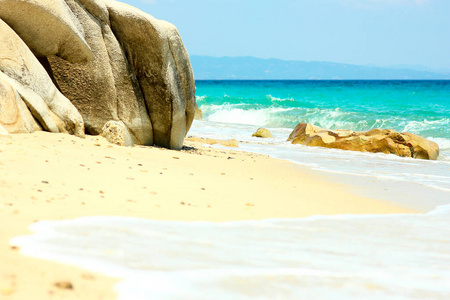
x,y
319,257
236,109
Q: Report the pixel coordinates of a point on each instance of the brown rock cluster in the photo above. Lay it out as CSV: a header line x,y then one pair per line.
x,y
74,65
376,140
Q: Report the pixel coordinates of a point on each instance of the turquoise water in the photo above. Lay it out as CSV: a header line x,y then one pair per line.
x,y
419,107
235,109
392,257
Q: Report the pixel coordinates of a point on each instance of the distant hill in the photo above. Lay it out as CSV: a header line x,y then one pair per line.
x,y
207,67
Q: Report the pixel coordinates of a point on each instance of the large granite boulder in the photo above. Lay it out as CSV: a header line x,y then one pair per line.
x,y
140,75
376,140
103,88
48,27
161,64
113,61
28,99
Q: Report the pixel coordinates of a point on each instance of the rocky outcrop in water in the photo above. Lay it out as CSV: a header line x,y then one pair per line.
x,y
376,140
113,61
262,133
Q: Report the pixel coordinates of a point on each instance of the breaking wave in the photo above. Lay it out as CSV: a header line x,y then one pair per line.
x,y
336,118
420,108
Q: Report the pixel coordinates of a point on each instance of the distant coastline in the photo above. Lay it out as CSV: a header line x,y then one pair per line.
x,y
252,68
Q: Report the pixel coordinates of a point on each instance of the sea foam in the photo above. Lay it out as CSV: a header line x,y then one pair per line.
x,y
323,257
433,174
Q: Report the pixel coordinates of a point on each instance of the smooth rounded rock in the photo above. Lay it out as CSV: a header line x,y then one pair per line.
x,y
48,27
161,64
117,133
262,133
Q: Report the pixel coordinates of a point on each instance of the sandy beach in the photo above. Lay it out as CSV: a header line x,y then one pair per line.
x,y
343,193
46,176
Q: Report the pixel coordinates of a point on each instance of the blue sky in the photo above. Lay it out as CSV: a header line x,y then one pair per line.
x,y
364,32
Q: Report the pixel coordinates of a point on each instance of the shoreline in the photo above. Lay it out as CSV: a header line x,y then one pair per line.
x,y
415,196
48,176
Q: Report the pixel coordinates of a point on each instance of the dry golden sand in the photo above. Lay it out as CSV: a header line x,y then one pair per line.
x,y
56,176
